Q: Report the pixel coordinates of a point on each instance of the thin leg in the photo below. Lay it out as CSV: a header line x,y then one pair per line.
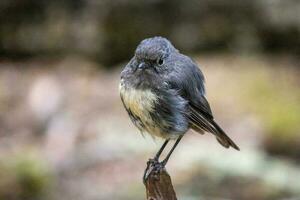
x,y
164,162
152,162
153,165
161,150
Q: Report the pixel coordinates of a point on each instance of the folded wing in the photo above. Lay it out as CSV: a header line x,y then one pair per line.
x,y
188,80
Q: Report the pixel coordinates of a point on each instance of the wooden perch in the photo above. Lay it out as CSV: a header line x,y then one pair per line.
x,y
159,185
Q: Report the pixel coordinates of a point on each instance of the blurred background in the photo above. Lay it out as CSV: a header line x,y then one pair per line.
x,y
65,135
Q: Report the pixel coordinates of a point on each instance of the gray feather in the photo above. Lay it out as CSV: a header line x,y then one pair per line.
x,y
178,86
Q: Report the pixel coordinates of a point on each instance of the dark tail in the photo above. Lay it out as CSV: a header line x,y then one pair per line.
x,y
222,138
201,122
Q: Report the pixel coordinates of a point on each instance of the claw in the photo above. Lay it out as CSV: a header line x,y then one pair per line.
x,y
150,164
153,167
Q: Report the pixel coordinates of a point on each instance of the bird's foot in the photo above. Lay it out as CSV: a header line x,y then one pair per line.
x,y
154,167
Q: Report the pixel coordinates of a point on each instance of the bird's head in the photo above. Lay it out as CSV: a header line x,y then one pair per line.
x,y
151,53
152,60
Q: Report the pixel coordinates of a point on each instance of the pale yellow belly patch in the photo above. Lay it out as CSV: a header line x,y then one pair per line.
x,y
138,101
141,103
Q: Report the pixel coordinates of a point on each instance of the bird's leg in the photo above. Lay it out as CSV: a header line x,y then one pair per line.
x,y
164,162
161,150
153,162
153,165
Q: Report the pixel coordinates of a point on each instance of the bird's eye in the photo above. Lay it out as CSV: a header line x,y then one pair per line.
x,y
160,61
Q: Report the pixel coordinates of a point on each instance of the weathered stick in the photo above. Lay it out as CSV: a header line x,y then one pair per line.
x,y
159,185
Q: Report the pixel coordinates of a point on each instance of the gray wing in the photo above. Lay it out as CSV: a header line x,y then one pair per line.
x,y
188,80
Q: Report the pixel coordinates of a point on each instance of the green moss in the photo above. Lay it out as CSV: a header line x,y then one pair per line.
x,y
24,177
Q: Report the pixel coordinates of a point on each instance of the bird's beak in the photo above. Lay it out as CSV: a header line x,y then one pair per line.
x,y
142,66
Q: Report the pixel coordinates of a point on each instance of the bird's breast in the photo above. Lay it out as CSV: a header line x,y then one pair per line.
x,y
139,101
141,104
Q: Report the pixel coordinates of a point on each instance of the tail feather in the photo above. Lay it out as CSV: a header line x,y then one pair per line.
x,y
197,129
201,123
223,142
215,129
223,139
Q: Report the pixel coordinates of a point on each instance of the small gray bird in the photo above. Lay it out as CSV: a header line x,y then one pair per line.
x,y
163,92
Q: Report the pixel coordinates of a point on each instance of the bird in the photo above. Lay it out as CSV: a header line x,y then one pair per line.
x,y
163,92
